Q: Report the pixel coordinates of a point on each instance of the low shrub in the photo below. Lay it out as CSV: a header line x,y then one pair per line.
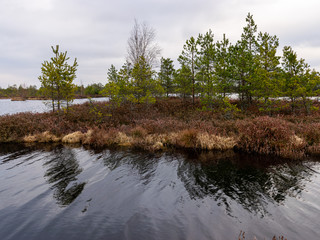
x,y
168,123
138,132
45,137
266,135
214,142
311,133
187,138
75,137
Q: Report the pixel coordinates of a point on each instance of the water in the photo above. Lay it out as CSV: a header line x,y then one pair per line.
x,y
64,192
10,107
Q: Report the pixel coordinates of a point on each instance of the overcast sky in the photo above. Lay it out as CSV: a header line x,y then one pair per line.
x,y
96,31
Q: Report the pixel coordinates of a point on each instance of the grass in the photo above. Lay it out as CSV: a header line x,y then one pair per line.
x,y
170,123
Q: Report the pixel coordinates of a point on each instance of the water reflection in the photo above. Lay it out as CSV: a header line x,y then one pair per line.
x,y
143,163
12,151
130,194
253,183
61,173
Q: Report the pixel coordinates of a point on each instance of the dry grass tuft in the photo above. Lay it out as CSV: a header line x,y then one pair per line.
x,y
123,140
138,132
157,146
214,142
30,139
75,137
297,141
45,137
48,137
187,138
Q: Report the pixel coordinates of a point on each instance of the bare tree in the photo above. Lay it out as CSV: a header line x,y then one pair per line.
x,y
141,43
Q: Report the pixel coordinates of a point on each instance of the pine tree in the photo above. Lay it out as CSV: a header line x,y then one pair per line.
x,y
183,80
205,65
244,61
300,81
223,67
267,82
57,78
112,74
188,59
143,88
166,75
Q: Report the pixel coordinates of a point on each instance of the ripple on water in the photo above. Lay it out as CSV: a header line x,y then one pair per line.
x,y
73,193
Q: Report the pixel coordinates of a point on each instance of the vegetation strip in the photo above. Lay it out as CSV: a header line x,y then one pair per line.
x,y
169,123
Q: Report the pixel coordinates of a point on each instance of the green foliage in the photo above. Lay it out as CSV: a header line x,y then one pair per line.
x,y
166,75
221,104
57,78
223,67
112,91
143,84
267,83
214,70
183,80
300,81
205,65
93,89
21,91
245,63
134,85
188,59
112,74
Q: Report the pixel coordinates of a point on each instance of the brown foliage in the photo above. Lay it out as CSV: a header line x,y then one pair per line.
x,y
169,123
187,138
266,135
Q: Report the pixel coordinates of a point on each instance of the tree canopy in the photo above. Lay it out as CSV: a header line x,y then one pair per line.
x,y
57,78
212,71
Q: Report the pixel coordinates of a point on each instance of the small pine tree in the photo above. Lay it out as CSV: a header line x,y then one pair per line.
x,y
188,59
166,75
57,78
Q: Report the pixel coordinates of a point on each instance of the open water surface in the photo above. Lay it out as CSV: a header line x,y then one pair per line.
x,y
63,192
10,107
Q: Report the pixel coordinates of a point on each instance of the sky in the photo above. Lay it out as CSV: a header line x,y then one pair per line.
x,y
96,31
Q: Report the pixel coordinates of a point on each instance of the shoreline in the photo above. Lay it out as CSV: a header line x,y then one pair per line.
x,y
43,98
168,124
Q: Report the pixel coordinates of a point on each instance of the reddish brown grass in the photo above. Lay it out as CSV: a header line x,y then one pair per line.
x,y
170,123
266,135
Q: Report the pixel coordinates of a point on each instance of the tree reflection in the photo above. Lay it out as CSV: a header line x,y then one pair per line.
x,y
143,162
62,171
13,151
243,180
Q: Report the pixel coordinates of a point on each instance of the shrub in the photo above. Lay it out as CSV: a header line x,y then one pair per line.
x,y
311,133
266,135
45,137
75,137
138,132
187,138
214,142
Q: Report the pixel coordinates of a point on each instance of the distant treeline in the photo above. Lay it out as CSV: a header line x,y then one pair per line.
x,y
24,91
212,70
209,70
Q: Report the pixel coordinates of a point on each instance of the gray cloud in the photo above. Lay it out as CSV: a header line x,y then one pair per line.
x,y
96,31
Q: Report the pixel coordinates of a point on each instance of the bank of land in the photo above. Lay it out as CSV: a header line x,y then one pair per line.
x,y
172,123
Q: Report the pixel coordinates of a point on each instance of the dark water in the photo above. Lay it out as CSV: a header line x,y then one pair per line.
x,y
62,192
10,107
